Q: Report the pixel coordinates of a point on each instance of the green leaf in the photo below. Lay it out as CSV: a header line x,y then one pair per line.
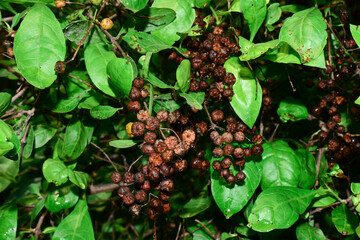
x,y
29,1
151,19
8,221
39,43
292,109
273,14
77,225
36,210
5,99
199,232
279,208
251,50
30,142
254,13
57,172
307,232
134,5
202,3
69,104
292,8
5,147
355,32
195,206
157,82
305,32
97,56
308,168
357,101
231,198
77,137
76,30
122,72
183,76
10,143
344,220
286,54
123,143
144,42
281,166
247,97
62,197
8,171
43,134
103,112
355,188
8,7
185,17
194,99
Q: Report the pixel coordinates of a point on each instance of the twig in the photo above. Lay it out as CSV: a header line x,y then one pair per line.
x,y
105,160
30,113
134,163
316,210
37,229
318,162
22,142
213,126
178,232
274,132
113,40
103,152
169,129
204,226
107,187
19,94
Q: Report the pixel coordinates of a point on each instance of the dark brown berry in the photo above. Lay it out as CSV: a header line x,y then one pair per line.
x,y
164,196
150,137
333,145
239,136
129,198
138,129
267,100
142,115
257,139
239,152
154,175
148,149
135,94
166,185
138,82
217,115
140,196
144,93
227,137
134,106
160,146
228,149
257,150
216,165
165,170
230,178
155,159
188,136
171,142
139,177
180,165
162,116
135,209
196,163
323,135
214,135
226,163
168,155
181,148
59,66
156,204
152,124
218,152
115,177
146,185
128,177
205,165
247,152
224,173
184,119
240,163
218,141
240,176
122,191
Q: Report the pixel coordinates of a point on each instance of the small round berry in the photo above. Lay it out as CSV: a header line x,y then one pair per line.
x,y
240,176
218,152
257,149
152,124
181,148
150,137
180,165
60,3
224,173
142,115
205,165
106,23
217,115
239,136
228,149
155,159
226,163
144,93
138,129
156,204
333,145
230,178
138,82
164,196
247,152
134,106
216,165
167,207
165,170
135,94
166,185
160,146
147,149
257,139
154,175
240,163
140,196
218,141
122,191
162,116
60,66
227,137
171,142
115,177
135,209
188,136
129,198
139,177
214,135
146,185
196,163
128,177
238,152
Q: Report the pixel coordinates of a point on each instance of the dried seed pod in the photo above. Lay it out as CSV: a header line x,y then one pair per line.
x,y
162,116
138,82
115,177
134,106
218,152
188,136
150,137
142,115
135,209
129,198
122,191
139,177
141,196
166,185
152,124
216,165
128,177
217,115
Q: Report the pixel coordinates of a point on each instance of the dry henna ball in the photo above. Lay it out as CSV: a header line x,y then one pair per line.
x,y
142,115
155,159
129,198
150,137
216,165
188,136
134,106
171,142
138,82
115,177
138,129
217,115
166,185
128,177
140,196
135,209
152,124
162,116
122,191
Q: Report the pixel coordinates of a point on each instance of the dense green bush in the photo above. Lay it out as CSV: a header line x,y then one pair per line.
x,y
179,119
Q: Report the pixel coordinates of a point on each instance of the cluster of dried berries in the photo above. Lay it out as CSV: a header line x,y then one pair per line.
x,y
342,145
137,92
230,146
208,57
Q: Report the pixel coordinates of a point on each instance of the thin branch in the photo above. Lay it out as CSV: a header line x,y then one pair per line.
x,y
19,94
107,187
318,163
178,232
274,132
113,40
204,226
37,229
134,162
316,210
106,156
213,126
